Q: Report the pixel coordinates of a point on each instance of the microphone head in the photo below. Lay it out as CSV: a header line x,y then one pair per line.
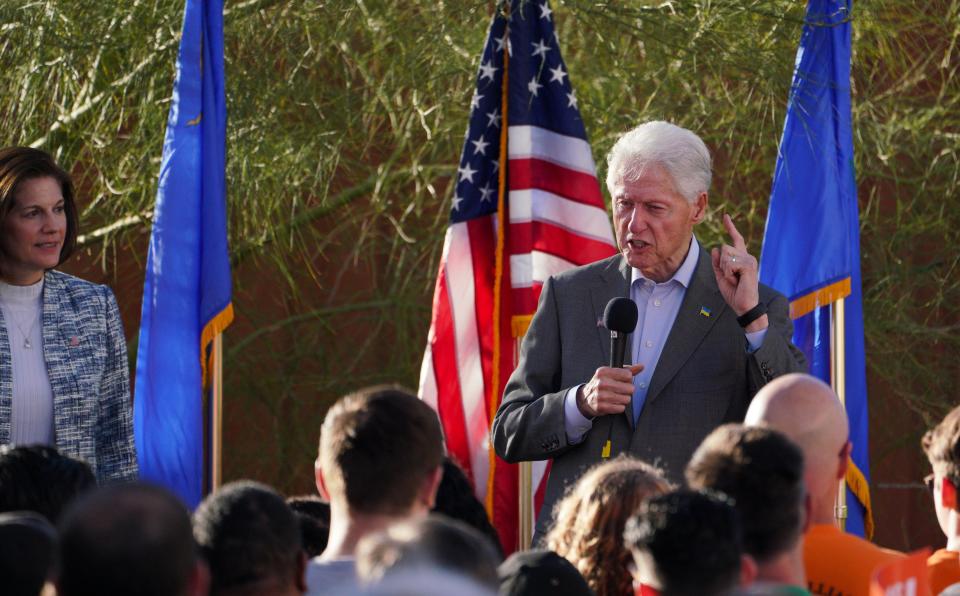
x,y
620,315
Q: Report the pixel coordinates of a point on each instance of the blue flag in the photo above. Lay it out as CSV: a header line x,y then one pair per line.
x,y
811,246
186,293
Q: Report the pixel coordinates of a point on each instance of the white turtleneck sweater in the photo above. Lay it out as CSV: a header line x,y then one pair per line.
x,y
32,418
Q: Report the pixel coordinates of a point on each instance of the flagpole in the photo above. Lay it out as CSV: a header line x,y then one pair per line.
x,y
216,415
838,378
525,533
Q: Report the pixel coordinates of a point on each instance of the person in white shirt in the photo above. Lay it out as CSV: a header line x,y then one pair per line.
x,y
64,380
380,462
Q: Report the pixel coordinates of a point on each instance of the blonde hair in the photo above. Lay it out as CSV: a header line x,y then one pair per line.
x,y
589,521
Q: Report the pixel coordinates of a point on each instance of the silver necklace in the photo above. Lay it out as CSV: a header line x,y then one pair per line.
x,y
26,336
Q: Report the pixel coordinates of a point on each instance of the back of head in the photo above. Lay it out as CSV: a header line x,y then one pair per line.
x,y
942,446
126,539
535,572
28,553
377,448
313,515
689,543
456,500
762,471
589,520
808,412
38,478
249,537
434,542
679,151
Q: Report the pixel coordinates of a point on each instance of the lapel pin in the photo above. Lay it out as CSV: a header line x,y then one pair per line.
x,y
599,322
74,341
704,312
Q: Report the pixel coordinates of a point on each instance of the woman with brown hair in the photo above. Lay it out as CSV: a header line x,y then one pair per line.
x,y
589,521
64,380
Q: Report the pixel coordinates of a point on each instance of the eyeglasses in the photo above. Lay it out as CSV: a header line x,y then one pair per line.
x,y
928,480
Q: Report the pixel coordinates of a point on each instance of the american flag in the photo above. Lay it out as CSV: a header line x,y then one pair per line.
x,y
547,200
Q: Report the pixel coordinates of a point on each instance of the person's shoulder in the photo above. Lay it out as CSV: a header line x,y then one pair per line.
x,y
72,283
77,291
826,539
943,556
328,576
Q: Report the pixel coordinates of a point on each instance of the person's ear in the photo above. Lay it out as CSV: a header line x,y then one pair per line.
x,y
699,208
807,514
844,457
318,478
199,582
948,494
428,492
748,570
300,581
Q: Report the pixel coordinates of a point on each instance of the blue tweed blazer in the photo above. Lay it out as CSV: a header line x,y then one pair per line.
x,y
86,356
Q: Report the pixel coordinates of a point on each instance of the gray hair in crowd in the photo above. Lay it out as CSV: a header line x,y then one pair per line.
x,y
678,150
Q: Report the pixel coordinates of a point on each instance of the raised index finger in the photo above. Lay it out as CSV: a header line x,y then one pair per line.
x,y
735,236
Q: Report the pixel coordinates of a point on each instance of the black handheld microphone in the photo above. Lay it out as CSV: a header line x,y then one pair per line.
x,y
620,317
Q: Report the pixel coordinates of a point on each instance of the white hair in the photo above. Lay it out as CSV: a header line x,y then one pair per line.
x,y
678,150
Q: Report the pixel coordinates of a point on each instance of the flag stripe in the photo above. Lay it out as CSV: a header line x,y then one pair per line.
x,y
428,381
534,142
533,204
543,175
482,232
526,299
535,266
461,290
556,241
444,366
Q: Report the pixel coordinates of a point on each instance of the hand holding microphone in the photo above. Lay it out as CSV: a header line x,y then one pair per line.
x,y
610,390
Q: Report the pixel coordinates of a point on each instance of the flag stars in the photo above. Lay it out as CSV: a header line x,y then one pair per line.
x,y
500,41
466,173
496,165
480,146
487,70
457,199
534,87
545,11
571,100
557,74
475,102
493,118
486,193
540,49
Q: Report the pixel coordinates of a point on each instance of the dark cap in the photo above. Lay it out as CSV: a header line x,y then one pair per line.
x,y
535,572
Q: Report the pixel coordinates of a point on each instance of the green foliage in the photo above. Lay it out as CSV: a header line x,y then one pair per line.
x,y
346,120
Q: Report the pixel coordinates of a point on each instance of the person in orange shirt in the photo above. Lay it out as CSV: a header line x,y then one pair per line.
x,y
809,413
942,446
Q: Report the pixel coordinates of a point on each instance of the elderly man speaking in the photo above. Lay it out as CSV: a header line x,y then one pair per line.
x,y
709,335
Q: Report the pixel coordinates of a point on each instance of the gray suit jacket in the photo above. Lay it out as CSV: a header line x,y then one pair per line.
x,y
704,377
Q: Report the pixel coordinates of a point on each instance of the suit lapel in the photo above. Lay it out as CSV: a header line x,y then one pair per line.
x,y
690,326
57,358
614,283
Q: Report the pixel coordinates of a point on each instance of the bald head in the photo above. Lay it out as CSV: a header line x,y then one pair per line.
x,y
808,412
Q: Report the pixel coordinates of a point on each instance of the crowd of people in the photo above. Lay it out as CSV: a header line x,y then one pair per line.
x,y
393,515
709,464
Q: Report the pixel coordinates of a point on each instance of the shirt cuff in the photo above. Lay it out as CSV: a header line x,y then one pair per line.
x,y
755,340
575,423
